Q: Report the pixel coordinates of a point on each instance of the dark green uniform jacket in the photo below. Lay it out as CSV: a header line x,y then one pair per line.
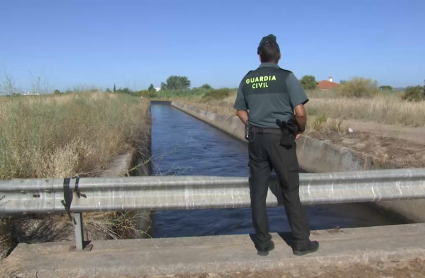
x,y
269,93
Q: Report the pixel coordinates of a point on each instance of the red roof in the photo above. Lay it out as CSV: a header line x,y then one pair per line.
x,y
326,84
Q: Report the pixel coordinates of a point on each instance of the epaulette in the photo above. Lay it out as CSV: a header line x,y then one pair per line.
x,y
285,70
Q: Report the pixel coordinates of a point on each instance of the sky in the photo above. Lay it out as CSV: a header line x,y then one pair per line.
x,y
135,43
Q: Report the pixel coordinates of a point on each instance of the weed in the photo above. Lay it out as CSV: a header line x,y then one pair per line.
x,y
218,94
414,94
64,135
359,87
318,122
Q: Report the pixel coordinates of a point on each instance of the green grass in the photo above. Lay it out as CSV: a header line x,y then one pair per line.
x,y
190,93
196,93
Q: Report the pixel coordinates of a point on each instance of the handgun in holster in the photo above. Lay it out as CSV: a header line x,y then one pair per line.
x,y
289,132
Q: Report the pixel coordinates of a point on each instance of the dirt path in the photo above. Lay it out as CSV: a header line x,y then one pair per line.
x,y
414,134
385,149
389,145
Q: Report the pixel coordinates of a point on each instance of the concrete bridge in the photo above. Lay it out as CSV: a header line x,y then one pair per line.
x,y
346,176
220,255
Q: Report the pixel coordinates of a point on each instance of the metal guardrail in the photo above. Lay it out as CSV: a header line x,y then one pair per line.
x,y
197,192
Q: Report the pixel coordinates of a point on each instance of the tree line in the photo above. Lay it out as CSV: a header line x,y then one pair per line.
x,y
308,82
355,87
363,87
173,83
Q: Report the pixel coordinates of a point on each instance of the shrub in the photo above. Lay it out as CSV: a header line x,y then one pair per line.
x,y
145,93
415,94
175,82
206,86
318,122
124,91
217,94
151,88
308,82
153,94
195,92
359,87
386,88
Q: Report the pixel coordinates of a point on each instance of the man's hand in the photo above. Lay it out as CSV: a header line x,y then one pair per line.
x,y
298,136
243,115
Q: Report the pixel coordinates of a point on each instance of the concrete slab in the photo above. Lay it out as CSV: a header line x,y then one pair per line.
x,y
218,254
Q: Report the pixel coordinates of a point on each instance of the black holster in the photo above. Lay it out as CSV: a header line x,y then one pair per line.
x,y
287,139
289,132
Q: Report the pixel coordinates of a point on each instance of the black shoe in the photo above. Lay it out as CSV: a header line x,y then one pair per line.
x,y
312,247
265,252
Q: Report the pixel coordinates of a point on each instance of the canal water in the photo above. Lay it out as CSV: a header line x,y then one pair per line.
x,y
184,145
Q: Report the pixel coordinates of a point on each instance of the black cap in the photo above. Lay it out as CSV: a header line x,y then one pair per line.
x,y
269,38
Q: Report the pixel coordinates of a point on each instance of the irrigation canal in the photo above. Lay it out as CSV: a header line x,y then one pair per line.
x,y
183,145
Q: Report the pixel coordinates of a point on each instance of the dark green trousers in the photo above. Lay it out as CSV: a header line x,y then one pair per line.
x,y
265,155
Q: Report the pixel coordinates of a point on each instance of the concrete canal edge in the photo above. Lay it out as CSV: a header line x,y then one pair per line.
x,y
211,256
318,157
136,162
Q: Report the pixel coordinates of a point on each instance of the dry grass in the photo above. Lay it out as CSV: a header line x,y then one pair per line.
x,y
4,238
384,108
61,136
328,110
380,109
117,225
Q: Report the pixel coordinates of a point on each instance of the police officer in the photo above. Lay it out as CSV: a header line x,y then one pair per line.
x,y
271,95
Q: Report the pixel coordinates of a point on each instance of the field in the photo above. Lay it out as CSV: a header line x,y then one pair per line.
x,y
384,108
385,126
65,135
61,136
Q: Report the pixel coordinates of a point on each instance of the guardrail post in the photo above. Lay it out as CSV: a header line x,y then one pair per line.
x,y
80,245
79,236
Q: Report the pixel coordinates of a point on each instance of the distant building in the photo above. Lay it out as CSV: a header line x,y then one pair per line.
x,y
30,94
326,85
157,89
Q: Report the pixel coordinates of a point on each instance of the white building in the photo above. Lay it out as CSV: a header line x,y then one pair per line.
x,y
30,94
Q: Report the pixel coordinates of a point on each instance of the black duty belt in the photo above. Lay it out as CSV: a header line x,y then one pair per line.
x,y
264,130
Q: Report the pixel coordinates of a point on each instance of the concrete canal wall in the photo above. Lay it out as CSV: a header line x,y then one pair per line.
x,y
317,156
